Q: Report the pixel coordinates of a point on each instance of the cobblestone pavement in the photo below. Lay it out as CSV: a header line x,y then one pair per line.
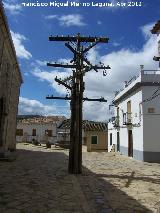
x,y
38,182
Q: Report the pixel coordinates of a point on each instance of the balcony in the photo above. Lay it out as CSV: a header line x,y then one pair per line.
x,y
127,118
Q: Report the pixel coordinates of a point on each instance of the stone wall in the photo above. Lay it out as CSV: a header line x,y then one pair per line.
x,y
10,81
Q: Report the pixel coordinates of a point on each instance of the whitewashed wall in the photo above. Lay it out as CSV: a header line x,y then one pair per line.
x,y
151,120
112,130
137,121
40,132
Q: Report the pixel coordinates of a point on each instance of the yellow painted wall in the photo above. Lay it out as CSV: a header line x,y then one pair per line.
x,y
102,140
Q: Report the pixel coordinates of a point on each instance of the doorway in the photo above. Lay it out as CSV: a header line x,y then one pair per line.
x,y
118,142
130,143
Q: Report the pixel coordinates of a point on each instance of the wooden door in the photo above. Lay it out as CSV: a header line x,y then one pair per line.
x,y
130,143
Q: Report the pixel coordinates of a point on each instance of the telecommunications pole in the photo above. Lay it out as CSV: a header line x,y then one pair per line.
x,y
79,65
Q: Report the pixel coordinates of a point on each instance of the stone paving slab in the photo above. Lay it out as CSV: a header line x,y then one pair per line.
x,y
38,182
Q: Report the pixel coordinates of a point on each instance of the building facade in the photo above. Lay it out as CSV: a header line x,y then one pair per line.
x,y
135,128
41,129
96,136
10,82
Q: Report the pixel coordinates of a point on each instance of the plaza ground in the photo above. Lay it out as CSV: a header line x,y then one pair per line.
x,y
38,182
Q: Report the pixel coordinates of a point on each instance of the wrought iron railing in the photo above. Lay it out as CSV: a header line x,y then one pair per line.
x,y
127,118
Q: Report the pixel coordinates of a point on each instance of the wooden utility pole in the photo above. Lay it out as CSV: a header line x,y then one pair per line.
x,y
79,65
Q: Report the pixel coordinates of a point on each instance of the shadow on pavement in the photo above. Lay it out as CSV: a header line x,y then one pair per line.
x,y
38,182
150,179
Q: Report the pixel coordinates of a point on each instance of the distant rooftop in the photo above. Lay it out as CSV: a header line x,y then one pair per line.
x,y
31,119
87,125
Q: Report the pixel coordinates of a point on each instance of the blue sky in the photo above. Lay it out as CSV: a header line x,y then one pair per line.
x,y
130,44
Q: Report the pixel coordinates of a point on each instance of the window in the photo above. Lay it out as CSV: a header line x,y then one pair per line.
x,y
48,132
151,110
19,132
94,139
129,106
110,139
33,132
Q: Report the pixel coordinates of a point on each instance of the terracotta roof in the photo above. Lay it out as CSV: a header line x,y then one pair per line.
x,y
87,125
156,28
41,119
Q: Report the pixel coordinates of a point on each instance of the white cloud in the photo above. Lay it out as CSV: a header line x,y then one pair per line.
x,y
41,63
146,30
116,44
50,76
95,111
13,7
27,106
124,64
51,17
99,22
18,43
68,20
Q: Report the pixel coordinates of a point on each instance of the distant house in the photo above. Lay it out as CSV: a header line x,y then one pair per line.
x,y
42,129
135,129
10,82
94,134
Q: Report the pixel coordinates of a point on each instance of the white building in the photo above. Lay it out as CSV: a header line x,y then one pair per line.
x,y
135,129
41,129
